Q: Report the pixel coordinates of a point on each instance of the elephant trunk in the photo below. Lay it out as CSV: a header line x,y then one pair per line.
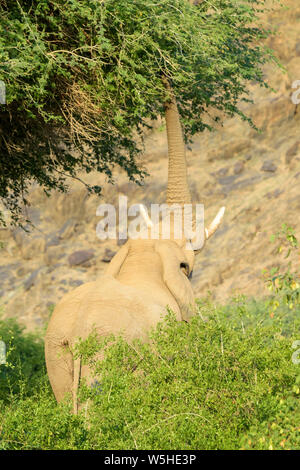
x,y
177,190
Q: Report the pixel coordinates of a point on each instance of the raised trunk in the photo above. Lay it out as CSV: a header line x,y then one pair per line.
x,y
177,190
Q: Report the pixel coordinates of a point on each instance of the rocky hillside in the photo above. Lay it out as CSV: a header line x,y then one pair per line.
x,y
255,175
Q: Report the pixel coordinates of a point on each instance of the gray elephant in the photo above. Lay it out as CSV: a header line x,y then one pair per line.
x,y
144,277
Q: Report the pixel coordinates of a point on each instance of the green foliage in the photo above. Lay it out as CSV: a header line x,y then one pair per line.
x,y
227,382
284,284
37,422
84,78
280,431
24,365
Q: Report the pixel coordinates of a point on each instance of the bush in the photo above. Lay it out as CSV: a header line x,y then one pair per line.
x,y
224,381
25,363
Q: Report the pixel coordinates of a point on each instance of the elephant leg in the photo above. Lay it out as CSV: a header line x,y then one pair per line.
x,y
59,361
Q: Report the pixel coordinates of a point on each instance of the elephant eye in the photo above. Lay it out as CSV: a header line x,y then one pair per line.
x,y
185,268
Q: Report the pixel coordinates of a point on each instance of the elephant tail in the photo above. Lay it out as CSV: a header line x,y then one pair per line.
x,y
76,378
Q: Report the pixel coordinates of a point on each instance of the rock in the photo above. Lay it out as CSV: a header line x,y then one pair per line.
x,y
272,111
277,192
238,167
80,257
222,172
229,150
52,240
274,194
53,254
75,282
228,179
268,165
291,152
34,215
108,255
21,271
30,281
31,246
193,189
69,206
38,321
19,236
67,229
244,183
12,282
63,290
5,273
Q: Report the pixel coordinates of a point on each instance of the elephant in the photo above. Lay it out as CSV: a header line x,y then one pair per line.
x,y
143,280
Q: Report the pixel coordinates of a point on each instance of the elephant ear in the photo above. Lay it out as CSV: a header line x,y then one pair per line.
x,y
176,281
115,265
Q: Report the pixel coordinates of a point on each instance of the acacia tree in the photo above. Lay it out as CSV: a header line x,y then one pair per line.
x,y
84,78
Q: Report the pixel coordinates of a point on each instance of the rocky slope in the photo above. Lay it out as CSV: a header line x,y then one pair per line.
x,y
255,175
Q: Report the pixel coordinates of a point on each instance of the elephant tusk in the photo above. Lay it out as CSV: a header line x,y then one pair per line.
x,y
215,223
145,216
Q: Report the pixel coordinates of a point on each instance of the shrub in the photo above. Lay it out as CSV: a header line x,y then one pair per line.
x,y
224,383
25,363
